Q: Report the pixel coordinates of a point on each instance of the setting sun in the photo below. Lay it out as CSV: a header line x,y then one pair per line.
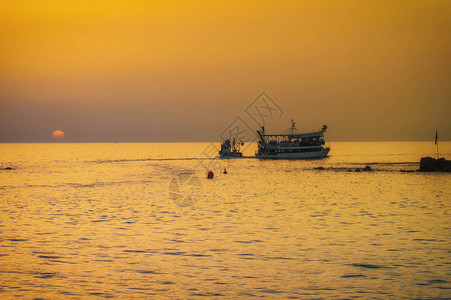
x,y
58,134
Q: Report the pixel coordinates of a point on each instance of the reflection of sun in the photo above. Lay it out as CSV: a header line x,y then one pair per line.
x,y
58,134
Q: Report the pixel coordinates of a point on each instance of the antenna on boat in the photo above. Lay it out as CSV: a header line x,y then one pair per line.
x,y
293,127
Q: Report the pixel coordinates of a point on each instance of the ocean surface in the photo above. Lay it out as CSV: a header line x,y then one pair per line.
x,y
142,221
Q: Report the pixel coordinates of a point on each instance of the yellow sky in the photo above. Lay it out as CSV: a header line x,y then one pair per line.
x,y
376,65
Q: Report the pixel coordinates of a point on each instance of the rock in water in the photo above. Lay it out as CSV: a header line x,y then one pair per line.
x,y
367,169
429,164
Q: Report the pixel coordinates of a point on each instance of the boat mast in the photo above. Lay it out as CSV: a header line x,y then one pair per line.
x,y
293,127
261,134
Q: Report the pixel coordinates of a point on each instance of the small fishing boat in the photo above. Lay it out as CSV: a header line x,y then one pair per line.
x,y
230,149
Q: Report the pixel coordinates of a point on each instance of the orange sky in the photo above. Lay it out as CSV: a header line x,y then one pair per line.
x,y
182,71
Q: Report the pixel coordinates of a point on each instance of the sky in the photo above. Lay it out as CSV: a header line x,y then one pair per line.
x,y
184,71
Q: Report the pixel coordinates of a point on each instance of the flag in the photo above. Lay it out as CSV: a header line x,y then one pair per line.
x,y
436,136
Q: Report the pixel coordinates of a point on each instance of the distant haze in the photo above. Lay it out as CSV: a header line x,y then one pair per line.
x,y
160,71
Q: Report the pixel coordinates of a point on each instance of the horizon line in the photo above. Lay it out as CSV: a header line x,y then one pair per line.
x,y
169,142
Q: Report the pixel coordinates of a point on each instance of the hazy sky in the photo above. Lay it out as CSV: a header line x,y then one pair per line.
x,y
150,71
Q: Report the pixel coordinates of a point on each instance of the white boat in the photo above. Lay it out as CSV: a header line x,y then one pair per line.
x,y
291,144
230,149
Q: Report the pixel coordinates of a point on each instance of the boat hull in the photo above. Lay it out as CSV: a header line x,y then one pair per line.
x,y
230,155
297,155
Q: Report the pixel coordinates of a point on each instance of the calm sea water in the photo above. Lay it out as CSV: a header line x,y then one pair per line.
x,y
99,220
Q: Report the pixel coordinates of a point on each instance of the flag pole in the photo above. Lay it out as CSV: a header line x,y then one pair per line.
x,y
437,149
436,141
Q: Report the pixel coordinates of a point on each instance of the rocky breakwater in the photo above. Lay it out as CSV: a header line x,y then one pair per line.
x,y
429,164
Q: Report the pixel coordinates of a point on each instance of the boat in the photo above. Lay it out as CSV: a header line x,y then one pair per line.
x,y
230,149
291,144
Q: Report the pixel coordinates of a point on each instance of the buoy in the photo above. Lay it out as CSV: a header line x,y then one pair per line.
x,y
225,171
210,175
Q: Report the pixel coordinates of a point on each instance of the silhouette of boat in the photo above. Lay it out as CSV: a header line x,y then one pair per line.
x,y
291,144
230,149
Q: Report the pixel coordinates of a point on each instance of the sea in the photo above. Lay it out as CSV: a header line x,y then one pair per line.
x,y
142,221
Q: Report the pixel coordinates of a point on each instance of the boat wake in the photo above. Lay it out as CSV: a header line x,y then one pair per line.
x,y
146,159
